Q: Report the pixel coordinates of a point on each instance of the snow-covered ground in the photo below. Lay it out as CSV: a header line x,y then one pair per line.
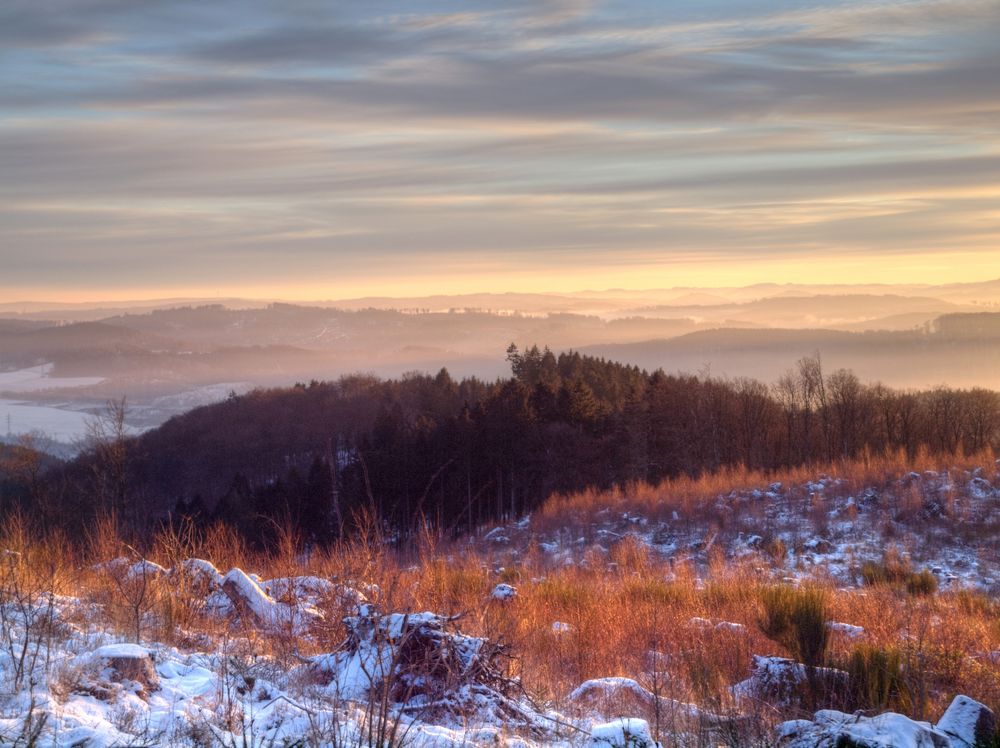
x,y
64,681
945,522
60,415
39,378
262,670
59,424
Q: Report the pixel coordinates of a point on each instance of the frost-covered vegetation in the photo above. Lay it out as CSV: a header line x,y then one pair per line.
x,y
739,609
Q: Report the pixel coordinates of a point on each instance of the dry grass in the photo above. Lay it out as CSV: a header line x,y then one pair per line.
x,y
690,497
627,612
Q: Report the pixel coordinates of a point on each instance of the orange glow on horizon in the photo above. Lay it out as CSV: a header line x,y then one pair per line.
x,y
916,269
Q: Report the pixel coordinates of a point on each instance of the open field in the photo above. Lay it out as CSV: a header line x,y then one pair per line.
x,y
647,602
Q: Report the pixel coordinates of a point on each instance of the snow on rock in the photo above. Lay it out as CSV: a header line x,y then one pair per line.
x,y
624,732
617,690
123,568
250,600
980,488
299,587
245,592
201,573
504,592
970,723
782,682
848,630
730,627
559,628
496,535
311,591
833,729
612,695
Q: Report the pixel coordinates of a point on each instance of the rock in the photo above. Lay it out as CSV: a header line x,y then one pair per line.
x,y
613,695
504,592
730,627
251,602
617,695
125,663
833,729
625,732
559,628
200,574
786,683
848,630
968,721
123,569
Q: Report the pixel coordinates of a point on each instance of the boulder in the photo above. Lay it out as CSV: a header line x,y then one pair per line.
x,y
617,695
969,723
504,592
253,604
200,574
625,732
833,729
786,683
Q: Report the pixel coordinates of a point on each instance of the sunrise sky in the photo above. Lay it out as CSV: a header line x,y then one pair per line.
x,y
308,149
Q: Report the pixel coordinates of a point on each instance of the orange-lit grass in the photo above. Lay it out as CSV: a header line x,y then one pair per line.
x,y
627,611
688,495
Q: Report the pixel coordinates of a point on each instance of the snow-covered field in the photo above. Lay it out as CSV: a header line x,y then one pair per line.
x,y
59,424
59,421
39,378
51,413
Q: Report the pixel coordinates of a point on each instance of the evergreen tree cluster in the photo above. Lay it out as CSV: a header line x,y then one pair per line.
x,y
459,454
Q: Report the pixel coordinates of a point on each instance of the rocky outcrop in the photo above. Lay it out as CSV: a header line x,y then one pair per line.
x,y
969,723
786,683
965,724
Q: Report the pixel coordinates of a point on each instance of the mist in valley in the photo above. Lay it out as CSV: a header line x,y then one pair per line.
x,y
60,363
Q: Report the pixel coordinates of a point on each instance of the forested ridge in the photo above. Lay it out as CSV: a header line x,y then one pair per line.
x,y
458,454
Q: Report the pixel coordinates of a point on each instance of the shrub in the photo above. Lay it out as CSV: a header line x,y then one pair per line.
x,y
877,678
921,583
777,550
893,569
796,619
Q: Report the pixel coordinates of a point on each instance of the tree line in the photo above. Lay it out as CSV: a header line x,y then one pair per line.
x,y
426,449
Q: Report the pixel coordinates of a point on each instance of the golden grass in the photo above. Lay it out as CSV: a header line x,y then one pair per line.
x,y
628,612
688,495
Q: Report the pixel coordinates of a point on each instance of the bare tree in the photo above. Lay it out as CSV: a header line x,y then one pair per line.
x,y
107,440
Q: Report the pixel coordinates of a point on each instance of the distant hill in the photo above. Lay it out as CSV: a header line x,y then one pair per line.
x,y
900,358
822,311
982,326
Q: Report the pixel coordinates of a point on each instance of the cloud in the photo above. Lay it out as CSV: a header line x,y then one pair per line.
x,y
536,130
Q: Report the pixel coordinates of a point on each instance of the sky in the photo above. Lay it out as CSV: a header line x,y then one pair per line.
x,y
307,149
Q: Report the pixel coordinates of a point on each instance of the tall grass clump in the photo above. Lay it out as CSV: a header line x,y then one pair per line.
x,y
921,583
796,619
877,678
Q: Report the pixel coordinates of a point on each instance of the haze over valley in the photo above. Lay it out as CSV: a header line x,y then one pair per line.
x,y
61,362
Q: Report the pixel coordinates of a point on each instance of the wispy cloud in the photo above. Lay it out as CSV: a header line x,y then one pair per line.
x,y
341,139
